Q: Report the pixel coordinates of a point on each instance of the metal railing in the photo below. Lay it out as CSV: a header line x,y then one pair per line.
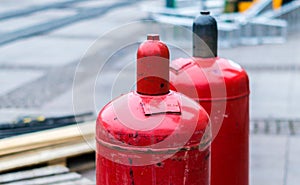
x,y
263,31
289,12
258,25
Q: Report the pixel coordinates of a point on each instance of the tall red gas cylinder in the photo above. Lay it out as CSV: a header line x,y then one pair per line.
x,y
153,135
222,88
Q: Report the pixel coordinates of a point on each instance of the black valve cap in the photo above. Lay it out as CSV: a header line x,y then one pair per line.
x,y
204,12
205,37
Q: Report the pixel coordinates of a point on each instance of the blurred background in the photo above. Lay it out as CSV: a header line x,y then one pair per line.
x,y
58,57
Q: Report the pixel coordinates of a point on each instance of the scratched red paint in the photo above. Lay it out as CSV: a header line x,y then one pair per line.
x,y
153,136
222,88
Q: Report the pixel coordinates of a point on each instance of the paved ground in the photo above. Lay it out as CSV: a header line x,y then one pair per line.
x,y
38,60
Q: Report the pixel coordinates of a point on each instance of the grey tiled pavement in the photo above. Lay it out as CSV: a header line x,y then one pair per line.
x,y
13,5
273,70
36,52
33,19
15,80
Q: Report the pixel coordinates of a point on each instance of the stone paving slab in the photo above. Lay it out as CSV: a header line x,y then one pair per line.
x,y
275,94
95,28
12,5
267,159
88,29
93,94
293,161
270,56
94,3
33,19
43,52
12,79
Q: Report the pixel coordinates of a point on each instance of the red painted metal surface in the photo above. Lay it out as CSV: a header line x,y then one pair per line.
x,y
153,67
222,88
153,135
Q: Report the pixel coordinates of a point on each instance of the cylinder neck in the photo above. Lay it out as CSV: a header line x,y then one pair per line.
x,y
153,67
205,36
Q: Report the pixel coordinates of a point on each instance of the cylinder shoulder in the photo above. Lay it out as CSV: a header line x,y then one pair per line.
x,y
135,118
207,75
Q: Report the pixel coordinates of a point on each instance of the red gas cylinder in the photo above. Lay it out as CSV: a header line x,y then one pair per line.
x,y
222,88
153,135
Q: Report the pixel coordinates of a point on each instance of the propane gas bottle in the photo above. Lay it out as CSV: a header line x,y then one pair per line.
x,y
153,135
222,88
